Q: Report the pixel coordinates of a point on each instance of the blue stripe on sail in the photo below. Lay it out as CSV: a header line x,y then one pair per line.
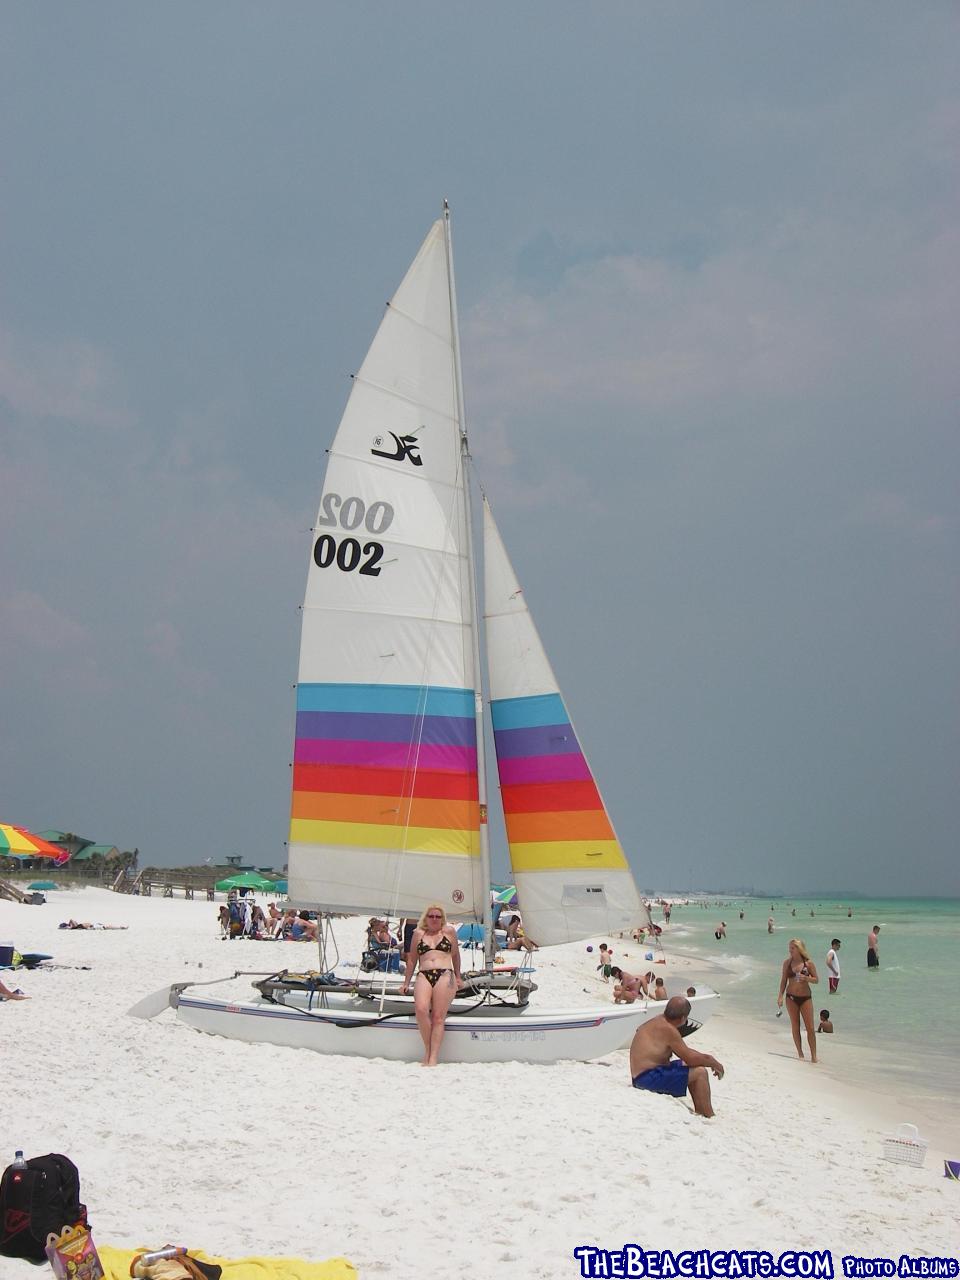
x,y
527,713
541,740
386,699
361,726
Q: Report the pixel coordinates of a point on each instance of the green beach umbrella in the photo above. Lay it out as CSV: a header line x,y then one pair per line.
x,y
245,880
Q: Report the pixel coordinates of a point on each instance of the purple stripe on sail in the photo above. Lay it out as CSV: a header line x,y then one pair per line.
x,y
361,726
543,769
540,740
385,755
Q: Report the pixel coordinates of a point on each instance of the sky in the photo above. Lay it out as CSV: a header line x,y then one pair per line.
x,y
707,268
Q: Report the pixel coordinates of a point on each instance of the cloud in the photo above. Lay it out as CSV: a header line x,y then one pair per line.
x,y
70,381
895,511
816,304
39,636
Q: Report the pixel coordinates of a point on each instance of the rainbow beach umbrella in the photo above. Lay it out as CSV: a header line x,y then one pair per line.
x,y
18,841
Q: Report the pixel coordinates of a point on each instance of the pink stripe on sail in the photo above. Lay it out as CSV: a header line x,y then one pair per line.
x,y
385,755
564,768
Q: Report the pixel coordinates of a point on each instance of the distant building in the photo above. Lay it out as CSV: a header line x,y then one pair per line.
x,y
106,852
67,840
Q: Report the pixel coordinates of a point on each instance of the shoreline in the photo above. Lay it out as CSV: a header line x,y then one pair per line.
x,y
244,1149
878,1100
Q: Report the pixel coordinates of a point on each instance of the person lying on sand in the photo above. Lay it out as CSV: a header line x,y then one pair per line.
x,y
85,924
653,1069
7,994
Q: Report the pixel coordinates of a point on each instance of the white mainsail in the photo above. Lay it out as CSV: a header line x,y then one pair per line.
x,y
573,880
385,811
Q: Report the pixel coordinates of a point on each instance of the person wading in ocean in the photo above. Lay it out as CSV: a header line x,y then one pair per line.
x,y
873,948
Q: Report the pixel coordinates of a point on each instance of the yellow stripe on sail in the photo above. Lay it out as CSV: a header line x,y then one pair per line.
x,y
557,855
368,835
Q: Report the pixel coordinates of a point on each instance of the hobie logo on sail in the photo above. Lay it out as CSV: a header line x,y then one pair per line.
x,y
407,447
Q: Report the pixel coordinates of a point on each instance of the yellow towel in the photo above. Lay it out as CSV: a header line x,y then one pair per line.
x,y
116,1266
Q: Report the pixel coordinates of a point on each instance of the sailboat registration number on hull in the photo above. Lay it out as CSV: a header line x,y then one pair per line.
x,y
508,1035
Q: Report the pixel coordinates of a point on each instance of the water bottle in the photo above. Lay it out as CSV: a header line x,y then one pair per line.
x,y
146,1260
18,1161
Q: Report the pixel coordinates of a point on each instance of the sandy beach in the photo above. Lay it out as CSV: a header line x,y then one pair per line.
x,y
243,1149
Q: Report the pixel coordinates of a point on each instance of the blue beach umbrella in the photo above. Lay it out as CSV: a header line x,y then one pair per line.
x,y
472,934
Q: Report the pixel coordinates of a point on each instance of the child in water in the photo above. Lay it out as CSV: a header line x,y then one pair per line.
x,y
826,1026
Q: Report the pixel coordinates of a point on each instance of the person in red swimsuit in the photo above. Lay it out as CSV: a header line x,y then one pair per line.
x,y
796,977
435,949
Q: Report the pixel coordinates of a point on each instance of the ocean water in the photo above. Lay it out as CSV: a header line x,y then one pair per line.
x,y
903,1016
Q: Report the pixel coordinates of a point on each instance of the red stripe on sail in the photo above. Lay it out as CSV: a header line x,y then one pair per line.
x,y
430,784
550,797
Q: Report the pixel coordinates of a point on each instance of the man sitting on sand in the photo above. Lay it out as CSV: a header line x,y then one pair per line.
x,y
652,1068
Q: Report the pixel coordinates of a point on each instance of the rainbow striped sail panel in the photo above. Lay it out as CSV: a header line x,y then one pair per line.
x,y
386,767
553,811
385,813
573,879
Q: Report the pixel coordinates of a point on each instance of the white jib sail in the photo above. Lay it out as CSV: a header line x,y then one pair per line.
x,y
385,813
573,880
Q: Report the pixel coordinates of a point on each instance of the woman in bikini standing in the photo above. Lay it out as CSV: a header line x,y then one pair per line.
x,y
434,947
796,977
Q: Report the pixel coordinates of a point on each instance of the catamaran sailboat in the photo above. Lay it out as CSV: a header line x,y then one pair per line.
x,y
389,807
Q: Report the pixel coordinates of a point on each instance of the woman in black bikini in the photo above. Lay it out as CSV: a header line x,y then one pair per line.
x,y
796,977
434,947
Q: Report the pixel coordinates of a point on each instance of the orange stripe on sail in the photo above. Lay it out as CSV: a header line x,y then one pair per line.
x,y
585,824
458,815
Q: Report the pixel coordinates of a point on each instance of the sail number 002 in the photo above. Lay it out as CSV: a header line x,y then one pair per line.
x,y
348,554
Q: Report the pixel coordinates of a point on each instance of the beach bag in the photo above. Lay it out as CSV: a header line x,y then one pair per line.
x,y
35,1201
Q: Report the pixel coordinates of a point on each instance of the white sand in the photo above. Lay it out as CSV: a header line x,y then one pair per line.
x,y
241,1149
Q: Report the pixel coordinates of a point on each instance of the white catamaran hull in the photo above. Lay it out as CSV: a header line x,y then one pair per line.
x,y
515,1036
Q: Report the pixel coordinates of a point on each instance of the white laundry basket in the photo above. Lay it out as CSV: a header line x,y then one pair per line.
x,y
905,1146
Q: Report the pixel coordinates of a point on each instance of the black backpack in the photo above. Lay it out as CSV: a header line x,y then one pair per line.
x,y
43,1197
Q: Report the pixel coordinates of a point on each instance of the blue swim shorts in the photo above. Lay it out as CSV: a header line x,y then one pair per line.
x,y
671,1079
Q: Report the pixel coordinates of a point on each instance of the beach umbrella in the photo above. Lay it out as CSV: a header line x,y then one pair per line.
x,y
245,880
470,933
507,896
43,884
18,841
280,886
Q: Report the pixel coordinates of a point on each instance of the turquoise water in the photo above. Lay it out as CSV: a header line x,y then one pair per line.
x,y
904,1014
